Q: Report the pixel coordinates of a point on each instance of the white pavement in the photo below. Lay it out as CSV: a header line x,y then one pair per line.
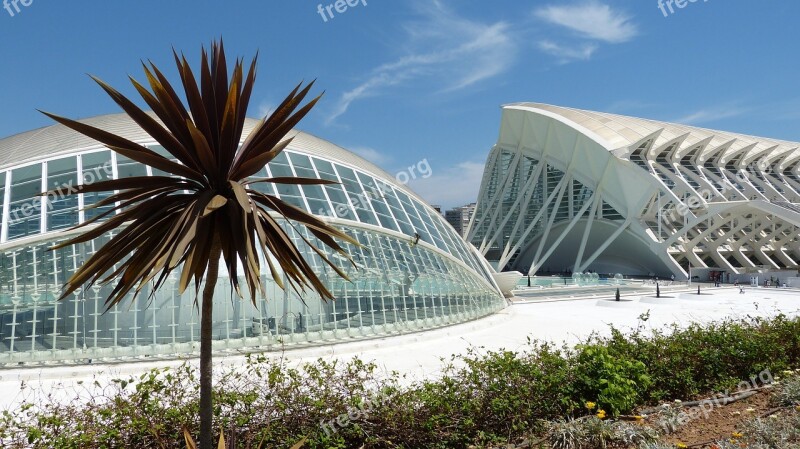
x,y
420,355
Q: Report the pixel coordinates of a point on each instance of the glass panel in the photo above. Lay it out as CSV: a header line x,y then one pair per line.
x,y
96,167
302,166
378,203
2,196
426,219
127,168
358,198
339,201
341,204
314,193
419,227
289,193
325,170
161,151
62,174
263,187
25,206
397,211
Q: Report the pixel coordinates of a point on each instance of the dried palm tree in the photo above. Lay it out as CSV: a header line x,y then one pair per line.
x,y
208,211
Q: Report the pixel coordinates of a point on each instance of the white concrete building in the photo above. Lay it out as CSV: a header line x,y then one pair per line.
x,y
566,189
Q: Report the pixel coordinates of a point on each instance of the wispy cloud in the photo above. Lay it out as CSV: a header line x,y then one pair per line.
x,y
449,51
450,187
372,155
265,108
710,115
591,20
567,54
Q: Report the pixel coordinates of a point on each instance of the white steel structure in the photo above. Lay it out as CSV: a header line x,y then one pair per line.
x,y
567,189
412,270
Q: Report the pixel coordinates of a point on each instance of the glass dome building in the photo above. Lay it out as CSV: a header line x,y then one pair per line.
x,y
411,272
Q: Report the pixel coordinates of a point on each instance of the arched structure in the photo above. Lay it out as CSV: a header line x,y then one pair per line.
x,y
577,190
413,271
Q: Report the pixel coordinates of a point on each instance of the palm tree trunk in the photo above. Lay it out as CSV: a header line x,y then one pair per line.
x,y
206,367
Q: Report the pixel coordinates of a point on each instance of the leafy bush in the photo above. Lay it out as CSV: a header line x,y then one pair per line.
x,y
616,383
684,362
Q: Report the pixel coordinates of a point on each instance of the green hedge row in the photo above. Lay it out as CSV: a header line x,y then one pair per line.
x,y
483,397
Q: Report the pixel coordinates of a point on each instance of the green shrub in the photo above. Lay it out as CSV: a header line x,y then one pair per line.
x,y
684,362
615,382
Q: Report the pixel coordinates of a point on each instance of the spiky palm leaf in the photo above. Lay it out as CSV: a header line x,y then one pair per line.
x,y
209,203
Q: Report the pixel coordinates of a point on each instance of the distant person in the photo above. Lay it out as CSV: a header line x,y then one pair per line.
x,y
741,289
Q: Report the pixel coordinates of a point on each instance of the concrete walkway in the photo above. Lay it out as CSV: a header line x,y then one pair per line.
x,y
420,355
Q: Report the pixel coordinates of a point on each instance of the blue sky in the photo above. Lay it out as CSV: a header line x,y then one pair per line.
x,y
413,80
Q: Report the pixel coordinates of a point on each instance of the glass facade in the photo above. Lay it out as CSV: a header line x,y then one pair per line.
x,y
412,271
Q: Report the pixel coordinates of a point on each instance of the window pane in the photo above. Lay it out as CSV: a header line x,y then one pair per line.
x,y
161,151
25,206
96,168
419,227
302,165
263,187
357,195
2,195
62,174
397,211
288,192
341,205
376,199
325,170
127,168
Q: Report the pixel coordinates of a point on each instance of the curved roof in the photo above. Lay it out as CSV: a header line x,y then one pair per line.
x,y
621,132
55,140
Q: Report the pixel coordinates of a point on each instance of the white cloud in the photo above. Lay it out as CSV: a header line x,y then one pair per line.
x,y
565,54
444,49
265,108
452,186
372,155
592,20
710,115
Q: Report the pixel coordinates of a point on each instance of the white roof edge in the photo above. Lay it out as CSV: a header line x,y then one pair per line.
x,y
677,128
56,140
560,118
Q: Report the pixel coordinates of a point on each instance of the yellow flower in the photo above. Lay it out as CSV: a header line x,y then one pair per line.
x,y
737,435
680,446
591,405
797,407
601,414
638,417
